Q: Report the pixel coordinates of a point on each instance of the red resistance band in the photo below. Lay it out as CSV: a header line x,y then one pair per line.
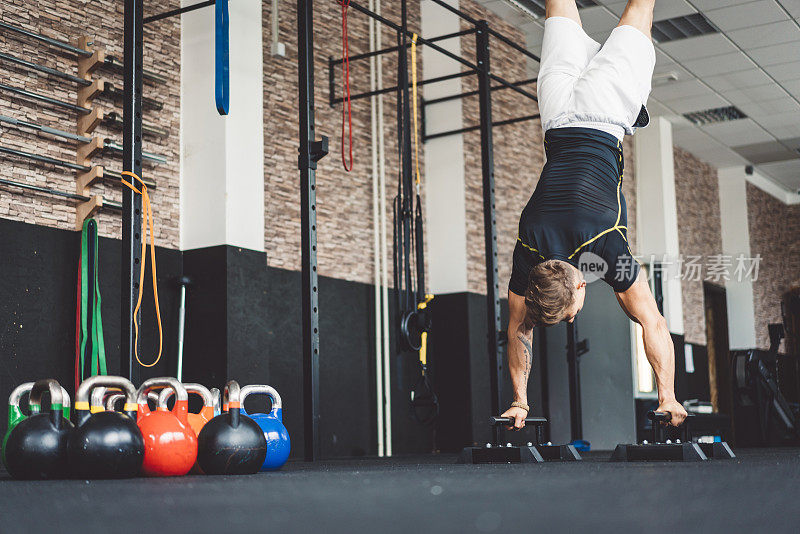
x,y
347,114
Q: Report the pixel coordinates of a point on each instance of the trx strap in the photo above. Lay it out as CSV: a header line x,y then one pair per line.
x,y
222,75
147,228
89,321
347,112
409,250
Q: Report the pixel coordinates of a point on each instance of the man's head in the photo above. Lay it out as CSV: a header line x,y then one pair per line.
x,y
556,291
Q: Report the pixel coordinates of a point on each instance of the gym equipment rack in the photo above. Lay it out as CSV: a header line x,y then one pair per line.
x,y
311,150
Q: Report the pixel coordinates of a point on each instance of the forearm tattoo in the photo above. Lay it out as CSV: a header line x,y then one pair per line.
x,y
527,347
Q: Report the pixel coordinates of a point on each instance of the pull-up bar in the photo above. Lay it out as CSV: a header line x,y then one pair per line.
x,y
473,93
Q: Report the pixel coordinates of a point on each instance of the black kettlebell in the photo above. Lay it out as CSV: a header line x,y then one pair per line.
x,y
105,444
37,447
231,443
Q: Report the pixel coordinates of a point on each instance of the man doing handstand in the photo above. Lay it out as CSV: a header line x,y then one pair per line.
x,y
590,97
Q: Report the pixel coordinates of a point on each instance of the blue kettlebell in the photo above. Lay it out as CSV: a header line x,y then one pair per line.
x,y
278,443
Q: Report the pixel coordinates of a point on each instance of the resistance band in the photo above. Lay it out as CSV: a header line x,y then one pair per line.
x,y
89,321
222,74
347,112
147,228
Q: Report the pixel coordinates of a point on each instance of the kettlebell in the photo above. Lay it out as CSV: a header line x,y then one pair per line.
x,y
170,444
15,414
37,446
278,442
196,420
231,443
105,443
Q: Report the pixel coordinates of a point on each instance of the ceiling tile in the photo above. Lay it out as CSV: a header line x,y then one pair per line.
x,y
786,173
775,54
771,107
778,120
719,64
714,44
738,80
755,94
766,34
793,7
696,103
665,9
680,89
793,86
785,132
746,15
785,71
597,19
739,132
707,5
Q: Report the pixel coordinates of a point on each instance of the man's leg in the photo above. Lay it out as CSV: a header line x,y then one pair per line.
x,y
638,13
562,8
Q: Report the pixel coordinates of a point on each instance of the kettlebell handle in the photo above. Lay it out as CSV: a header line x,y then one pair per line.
x,y
56,398
215,400
231,398
19,391
16,396
111,400
181,397
263,389
191,387
82,406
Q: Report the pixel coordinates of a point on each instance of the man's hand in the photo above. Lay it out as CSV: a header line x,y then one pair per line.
x,y
675,409
519,415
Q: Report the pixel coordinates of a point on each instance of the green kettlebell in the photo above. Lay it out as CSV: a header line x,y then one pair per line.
x,y
15,414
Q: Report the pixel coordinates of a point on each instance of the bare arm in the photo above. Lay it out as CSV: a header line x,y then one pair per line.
x,y
520,355
638,303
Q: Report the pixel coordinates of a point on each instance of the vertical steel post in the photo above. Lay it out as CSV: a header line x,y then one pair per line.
x,y
489,222
311,151
574,371
131,202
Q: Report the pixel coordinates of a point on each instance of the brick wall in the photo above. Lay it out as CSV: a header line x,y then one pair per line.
x,y
344,199
101,21
775,235
699,231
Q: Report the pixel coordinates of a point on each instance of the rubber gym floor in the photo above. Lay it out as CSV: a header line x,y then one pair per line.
x,y
756,492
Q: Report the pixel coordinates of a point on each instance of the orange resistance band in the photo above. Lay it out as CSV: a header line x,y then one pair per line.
x,y
147,228
347,113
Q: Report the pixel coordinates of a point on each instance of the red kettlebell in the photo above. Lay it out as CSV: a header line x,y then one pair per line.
x,y
170,444
196,420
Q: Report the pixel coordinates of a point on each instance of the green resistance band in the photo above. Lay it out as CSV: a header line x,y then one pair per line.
x,y
89,234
